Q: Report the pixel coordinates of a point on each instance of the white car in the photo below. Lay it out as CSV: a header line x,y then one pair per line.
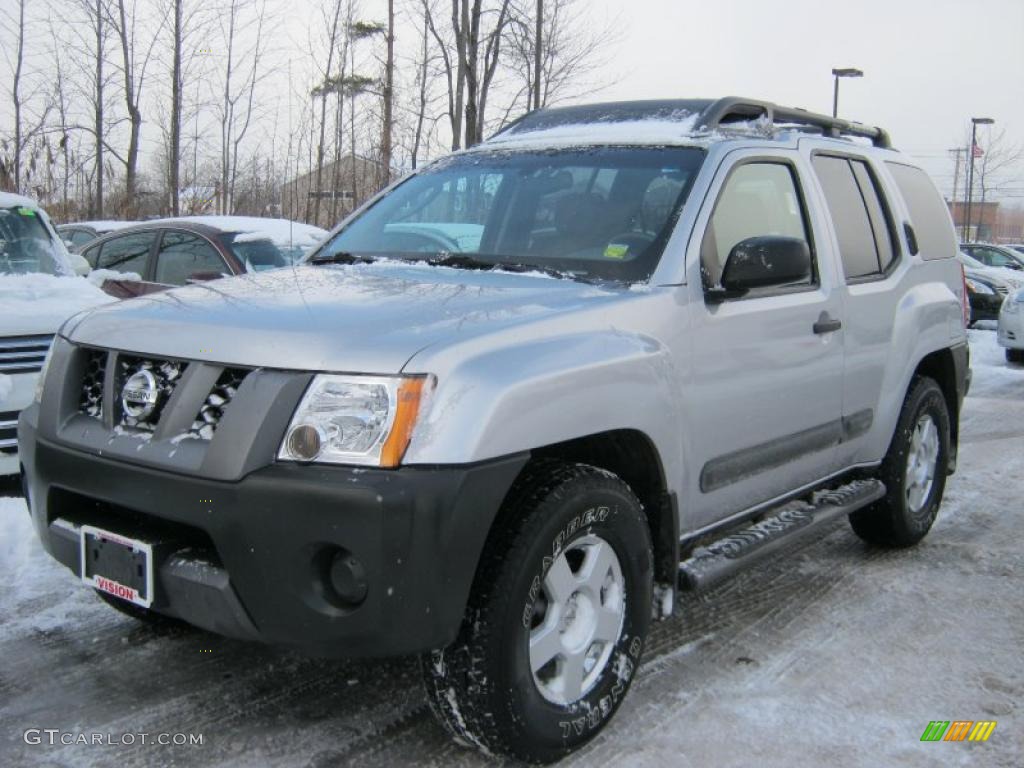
x,y
39,289
1010,333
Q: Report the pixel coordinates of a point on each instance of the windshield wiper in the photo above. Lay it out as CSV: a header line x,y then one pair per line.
x,y
341,257
465,261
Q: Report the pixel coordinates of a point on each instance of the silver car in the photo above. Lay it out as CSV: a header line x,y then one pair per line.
x,y
518,400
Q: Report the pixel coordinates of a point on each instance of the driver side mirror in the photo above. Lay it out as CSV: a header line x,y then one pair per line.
x,y
763,261
204,276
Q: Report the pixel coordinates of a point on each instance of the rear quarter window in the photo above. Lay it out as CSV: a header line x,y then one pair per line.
x,y
929,216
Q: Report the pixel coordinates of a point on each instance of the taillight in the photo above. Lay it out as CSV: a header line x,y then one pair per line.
x,y
965,303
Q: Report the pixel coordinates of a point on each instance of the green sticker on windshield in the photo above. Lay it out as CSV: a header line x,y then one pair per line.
x,y
26,212
616,251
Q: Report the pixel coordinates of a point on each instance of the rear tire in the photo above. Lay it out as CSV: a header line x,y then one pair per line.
x,y
557,619
1015,356
914,471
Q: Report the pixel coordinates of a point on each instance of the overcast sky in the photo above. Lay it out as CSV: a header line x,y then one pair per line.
x,y
930,65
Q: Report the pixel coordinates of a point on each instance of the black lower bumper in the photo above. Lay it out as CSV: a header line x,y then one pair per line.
x,y
253,559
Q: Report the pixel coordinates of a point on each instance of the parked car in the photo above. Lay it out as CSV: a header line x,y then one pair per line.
x,y
513,404
78,235
1005,281
162,253
985,298
995,255
1010,333
38,291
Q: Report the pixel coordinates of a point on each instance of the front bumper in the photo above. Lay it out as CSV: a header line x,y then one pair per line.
x,y
250,558
1010,332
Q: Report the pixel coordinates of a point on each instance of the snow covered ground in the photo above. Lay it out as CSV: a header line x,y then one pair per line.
x,y
832,655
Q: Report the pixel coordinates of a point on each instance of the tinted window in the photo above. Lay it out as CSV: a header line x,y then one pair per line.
x,y
862,227
81,236
603,213
758,199
993,258
127,253
182,255
929,215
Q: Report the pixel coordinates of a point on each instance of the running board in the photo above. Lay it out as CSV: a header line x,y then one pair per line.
x,y
722,559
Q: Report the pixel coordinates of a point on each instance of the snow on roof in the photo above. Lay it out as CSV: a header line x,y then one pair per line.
x,y
103,225
10,200
677,127
281,232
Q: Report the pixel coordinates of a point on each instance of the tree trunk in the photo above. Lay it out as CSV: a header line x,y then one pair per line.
x,y
389,82
16,96
175,154
537,42
99,110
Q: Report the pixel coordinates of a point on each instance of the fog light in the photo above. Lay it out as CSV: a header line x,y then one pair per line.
x,y
304,442
348,578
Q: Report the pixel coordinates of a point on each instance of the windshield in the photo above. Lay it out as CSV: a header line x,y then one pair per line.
x,y
258,255
603,213
26,245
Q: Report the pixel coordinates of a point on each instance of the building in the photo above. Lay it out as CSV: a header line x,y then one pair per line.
x,y
343,186
990,222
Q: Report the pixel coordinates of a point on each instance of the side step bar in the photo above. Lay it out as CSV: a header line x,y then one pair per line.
x,y
711,565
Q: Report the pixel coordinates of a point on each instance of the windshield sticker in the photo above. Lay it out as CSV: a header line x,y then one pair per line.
x,y
26,212
616,251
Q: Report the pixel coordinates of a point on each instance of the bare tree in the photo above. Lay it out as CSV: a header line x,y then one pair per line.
x,y
323,89
244,45
124,20
554,49
388,96
16,23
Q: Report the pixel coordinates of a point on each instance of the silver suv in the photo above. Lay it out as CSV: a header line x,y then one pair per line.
x,y
519,399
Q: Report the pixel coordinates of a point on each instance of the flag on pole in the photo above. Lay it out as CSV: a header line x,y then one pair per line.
x,y
977,151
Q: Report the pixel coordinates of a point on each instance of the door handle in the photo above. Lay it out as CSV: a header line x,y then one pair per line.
x,y
827,324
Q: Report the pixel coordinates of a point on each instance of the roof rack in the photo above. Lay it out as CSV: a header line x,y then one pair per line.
x,y
733,109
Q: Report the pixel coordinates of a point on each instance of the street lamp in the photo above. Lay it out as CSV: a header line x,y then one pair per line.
x,y
975,122
837,73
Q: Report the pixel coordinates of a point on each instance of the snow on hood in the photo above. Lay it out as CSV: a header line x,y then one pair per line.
x,y
38,303
104,225
368,318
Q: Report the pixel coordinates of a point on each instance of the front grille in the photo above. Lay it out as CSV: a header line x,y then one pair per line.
x,y
23,354
9,432
92,385
1002,290
166,372
168,376
220,397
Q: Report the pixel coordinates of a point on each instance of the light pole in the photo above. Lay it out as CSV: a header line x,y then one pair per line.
x,y
975,122
837,73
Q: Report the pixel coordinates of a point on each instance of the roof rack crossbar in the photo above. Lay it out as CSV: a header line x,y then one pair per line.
x,y
733,108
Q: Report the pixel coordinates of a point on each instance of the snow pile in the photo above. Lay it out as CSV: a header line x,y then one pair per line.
x,y
39,295
99,276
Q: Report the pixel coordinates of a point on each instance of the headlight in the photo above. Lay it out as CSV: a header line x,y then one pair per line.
x,y
40,380
354,420
977,286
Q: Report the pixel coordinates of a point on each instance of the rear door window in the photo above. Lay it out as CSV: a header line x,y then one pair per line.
x,y
929,215
863,226
185,255
128,253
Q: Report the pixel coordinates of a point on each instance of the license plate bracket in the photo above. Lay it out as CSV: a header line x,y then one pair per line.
x,y
117,565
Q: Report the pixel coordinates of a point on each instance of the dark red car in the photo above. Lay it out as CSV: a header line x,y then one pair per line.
x,y
157,255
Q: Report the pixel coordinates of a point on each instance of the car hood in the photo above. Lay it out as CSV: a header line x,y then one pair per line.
x,y
356,318
37,304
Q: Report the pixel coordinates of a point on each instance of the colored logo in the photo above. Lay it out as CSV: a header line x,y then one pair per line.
x,y
958,730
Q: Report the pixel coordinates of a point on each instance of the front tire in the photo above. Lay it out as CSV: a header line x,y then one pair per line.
x,y
557,619
914,471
